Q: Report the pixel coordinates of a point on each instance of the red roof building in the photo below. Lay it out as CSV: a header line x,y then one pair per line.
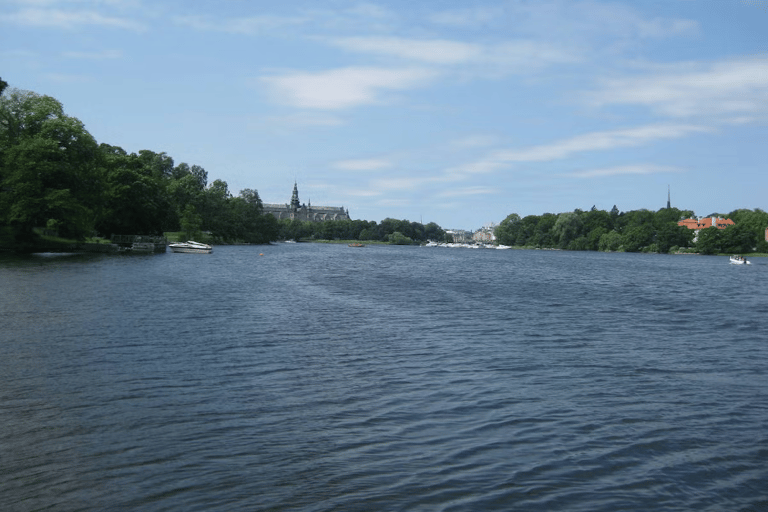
x,y
706,222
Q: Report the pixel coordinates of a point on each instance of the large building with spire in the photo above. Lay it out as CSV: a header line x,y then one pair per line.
x,y
296,210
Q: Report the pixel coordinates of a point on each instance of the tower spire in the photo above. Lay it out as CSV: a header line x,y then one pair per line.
x,y
669,198
295,197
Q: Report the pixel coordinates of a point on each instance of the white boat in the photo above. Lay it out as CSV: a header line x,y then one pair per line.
x,y
191,247
739,260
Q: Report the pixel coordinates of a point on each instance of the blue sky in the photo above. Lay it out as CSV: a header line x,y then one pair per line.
x,y
442,111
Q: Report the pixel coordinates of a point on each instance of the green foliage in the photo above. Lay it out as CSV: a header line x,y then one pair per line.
x,y
48,167
397,238
53,174
508,230
710,241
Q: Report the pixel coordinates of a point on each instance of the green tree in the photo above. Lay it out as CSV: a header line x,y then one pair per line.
x,y
215,211
739,238
507,231
670,235
48,171
543,236
135,198
397,238
567,228
709,241
191,223
637,237
432,231
610,242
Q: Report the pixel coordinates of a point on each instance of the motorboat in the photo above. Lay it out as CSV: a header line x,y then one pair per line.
x,y
191,247
739,260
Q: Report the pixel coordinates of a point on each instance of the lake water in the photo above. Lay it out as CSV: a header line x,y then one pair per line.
x,y
323,377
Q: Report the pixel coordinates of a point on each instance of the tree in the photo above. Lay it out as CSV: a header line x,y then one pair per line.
x,y
433,232
48,172
739,238
507,231
567,228
670,235
610,242
637,237
709,241
135,198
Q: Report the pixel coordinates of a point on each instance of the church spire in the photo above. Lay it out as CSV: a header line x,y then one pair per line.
x,y
295,197
669,198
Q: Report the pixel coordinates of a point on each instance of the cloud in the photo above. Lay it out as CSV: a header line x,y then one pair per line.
x,y
100,55
598,141
558,150
469,191
586,19
68,20
345,87
518,56
730,87
435,51
624,170
475,141
370,164
250,25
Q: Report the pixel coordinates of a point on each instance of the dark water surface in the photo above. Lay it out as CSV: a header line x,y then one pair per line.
x,y
323,378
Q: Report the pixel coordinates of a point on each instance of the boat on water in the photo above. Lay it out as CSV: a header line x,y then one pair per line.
x,y
191,247
739,260
356,245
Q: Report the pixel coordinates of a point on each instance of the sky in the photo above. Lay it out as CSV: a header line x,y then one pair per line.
x,y
444,111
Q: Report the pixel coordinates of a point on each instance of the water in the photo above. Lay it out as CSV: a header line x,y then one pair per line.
x,y
323,377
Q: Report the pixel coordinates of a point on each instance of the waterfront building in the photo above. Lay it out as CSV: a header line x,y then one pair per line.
x,y
706,222
296,210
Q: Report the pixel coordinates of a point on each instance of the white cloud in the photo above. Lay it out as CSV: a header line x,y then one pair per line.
x,y
475,141
99,55
435,51
250,25
475,16
369,164
469,191
68,20
517,56
595,141
731,87
564,19
624,170
345,87
598,141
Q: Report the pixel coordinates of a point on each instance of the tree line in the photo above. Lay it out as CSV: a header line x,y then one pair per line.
x,y
402,232
634,231
54,175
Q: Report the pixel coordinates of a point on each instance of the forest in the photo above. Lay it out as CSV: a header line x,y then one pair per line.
x,y
635,231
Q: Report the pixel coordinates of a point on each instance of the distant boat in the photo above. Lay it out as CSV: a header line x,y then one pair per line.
x,y
191,247
739,260
357,245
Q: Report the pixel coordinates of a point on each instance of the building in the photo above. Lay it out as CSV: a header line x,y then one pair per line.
x,y
296,210
706,222
485,234
460,236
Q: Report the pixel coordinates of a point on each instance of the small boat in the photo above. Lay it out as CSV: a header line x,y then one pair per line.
x,y
357,245
739,260
191,247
